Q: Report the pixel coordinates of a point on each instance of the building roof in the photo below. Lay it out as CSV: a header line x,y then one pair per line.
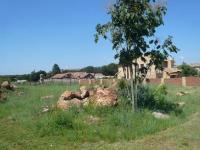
x,y
74,75
172,70
59,76
195,65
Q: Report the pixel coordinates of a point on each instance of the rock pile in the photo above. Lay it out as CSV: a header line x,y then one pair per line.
x,y
104,97
7,85
2,97
96,97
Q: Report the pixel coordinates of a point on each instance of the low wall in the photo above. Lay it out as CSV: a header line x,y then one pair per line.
x,y
155,81
174,81
96,81
193,81
184,81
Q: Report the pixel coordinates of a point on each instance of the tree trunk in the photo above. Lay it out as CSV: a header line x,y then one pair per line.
x,y
136,87
132,89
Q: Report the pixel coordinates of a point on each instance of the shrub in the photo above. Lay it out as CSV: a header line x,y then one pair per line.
x,y
149,97
124,92
63,120
145,97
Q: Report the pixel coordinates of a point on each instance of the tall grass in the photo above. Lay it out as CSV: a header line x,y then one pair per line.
x,y
23,125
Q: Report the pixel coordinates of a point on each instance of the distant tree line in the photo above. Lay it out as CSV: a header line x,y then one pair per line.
x,y
187,70
34,76
107,70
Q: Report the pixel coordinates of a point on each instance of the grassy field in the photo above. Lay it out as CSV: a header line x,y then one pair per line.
x,y
24,126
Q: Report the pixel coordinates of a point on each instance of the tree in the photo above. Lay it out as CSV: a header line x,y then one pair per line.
x,y
55,69
89,69
187,70
132,32
35,76
110,70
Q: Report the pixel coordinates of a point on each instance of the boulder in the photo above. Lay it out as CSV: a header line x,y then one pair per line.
x,y
160,115
84,92
77,95
105,97
92,92
75,102
86,102
63,104
67,95
7,85
2,97
98,97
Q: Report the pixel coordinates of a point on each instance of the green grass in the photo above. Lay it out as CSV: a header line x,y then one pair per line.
x,y
24,126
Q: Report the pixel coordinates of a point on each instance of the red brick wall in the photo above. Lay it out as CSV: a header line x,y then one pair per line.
x,y
190,81
174,81
155,81
193,81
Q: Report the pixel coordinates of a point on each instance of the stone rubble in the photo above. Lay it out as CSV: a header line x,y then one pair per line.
x,y
96,97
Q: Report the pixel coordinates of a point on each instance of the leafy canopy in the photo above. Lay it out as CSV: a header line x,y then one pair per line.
x,y
187,70
55,69
132,32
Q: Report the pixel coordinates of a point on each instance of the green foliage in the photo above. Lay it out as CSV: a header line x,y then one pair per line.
x,y
149,98
24,115
35,76
132,32
55,69
2,79
110,70
32,129
187,70
161,89
123,92
91,69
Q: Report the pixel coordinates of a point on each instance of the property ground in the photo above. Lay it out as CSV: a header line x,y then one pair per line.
x,y
24,124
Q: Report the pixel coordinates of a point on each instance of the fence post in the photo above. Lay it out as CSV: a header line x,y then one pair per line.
x,y
90,82
162,81
184,81
79,82
101,81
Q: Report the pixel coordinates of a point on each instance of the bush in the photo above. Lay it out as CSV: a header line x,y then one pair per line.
x,y
149,98
156,99
145,97
124,92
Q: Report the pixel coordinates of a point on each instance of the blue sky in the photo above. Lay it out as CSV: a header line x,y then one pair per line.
x,y
35,34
